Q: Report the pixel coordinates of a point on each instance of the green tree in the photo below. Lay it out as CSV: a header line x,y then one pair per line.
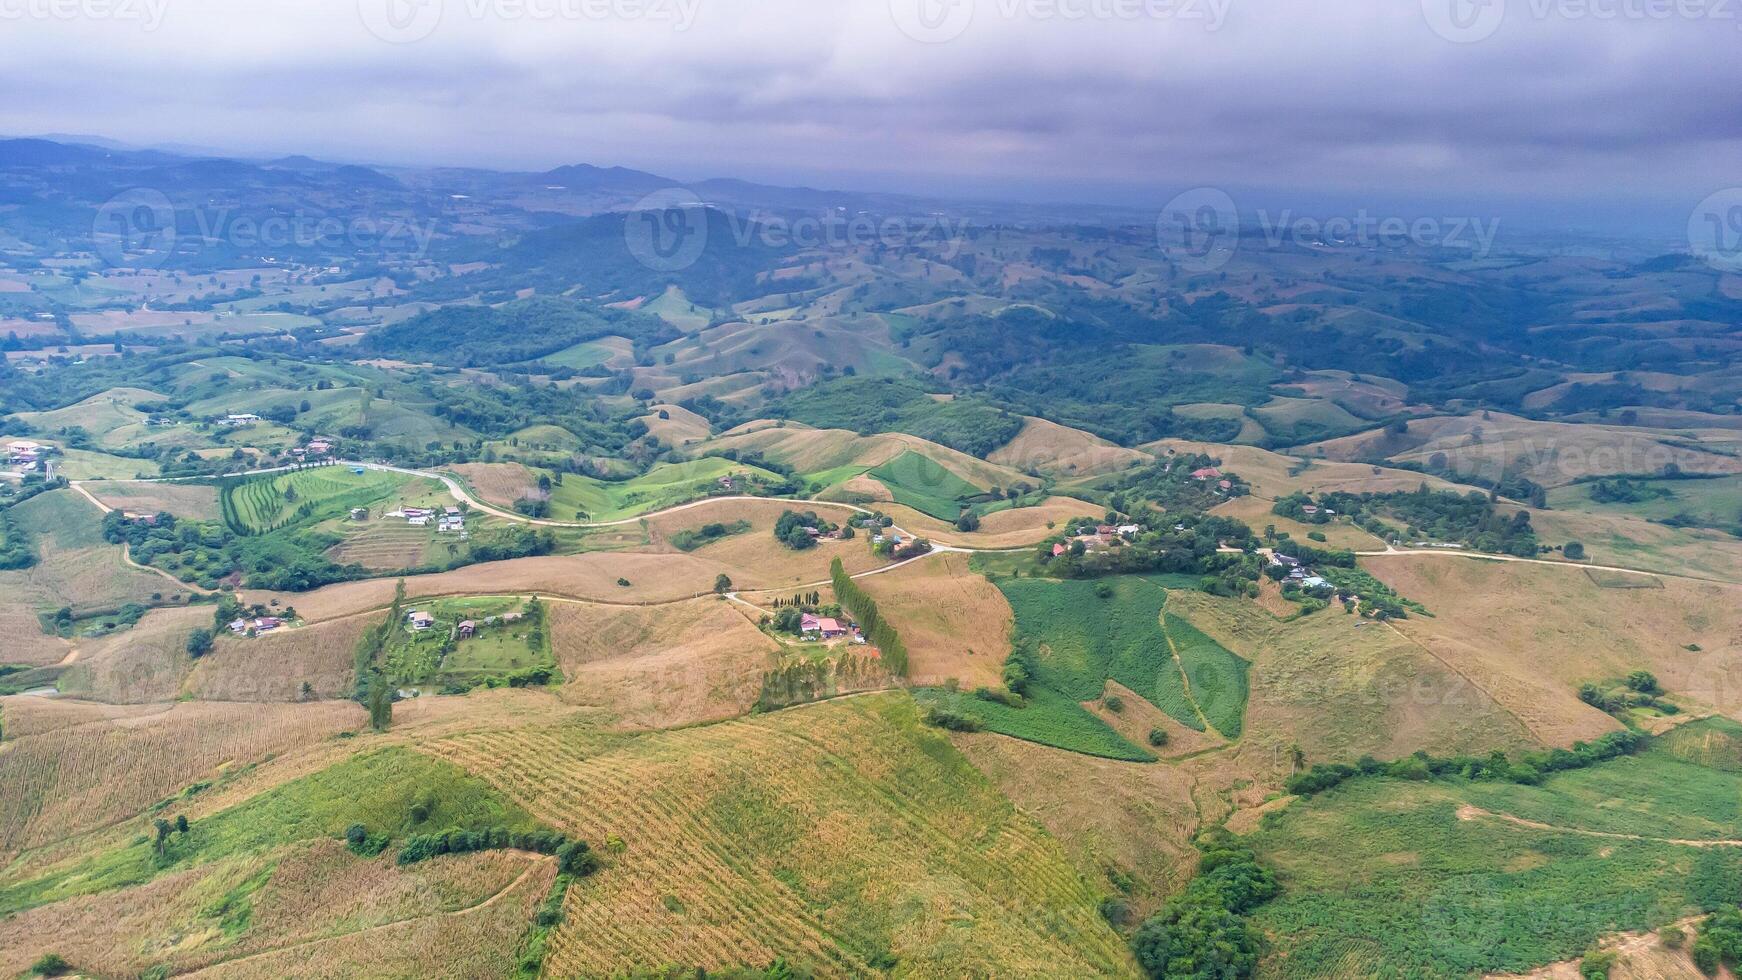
x,y
380,704
199,642
722,583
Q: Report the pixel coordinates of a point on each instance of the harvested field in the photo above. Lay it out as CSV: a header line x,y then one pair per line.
x,y
77,566
1017,527
68,780
383,546
500,484
829,835
680,428
275,667
653,579
700,660
954,623
754,559
181,499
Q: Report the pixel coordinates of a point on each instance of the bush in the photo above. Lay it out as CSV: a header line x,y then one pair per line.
x,y
1114,703
51,965
1643,681
199,642
949,718
1157,737
1672,936
1596,965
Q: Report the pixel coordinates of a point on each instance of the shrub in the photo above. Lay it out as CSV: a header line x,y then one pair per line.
x,y
1114,703
1672,936
1596,965
1157,737
1643,681
939,716
51,965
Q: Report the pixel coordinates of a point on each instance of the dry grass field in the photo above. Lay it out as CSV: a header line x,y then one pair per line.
x,y
1275,475
954,622
831,835
63,781
1551,453
1535,633
661,666
500,484
76,566
146,663
181,499
811,450
1340,690
754,559
302,920
274,667
1061,451
1018,527
680,428
653,578
1630,542
1255,512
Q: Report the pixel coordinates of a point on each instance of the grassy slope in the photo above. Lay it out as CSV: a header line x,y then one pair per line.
x,y
1421,886
663,486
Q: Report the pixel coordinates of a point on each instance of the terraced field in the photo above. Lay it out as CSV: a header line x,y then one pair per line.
x,y
843,837
384,545
260,504
665,485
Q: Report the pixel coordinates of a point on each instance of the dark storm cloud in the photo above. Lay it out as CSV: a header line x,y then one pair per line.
x,y
1548,98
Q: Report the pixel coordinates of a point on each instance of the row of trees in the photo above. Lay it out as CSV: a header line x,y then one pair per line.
x,y
574,857
1529,769
864,609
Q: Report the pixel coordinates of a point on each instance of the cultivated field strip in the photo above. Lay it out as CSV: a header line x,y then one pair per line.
x,y
831,836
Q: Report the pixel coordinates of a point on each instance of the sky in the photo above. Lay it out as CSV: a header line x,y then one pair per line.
x,y
1598,111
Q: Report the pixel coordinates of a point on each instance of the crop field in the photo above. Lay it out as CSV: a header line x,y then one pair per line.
x,y
1086,640
1497,878
276,666
498,483
259,504
924,485
104,764
98,415
146,663
834,836
385,545
188,500
656,667
86,464
662,486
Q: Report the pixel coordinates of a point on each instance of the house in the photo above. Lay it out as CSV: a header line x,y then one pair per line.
x,y
1278,558
1312,582
1129,530
813,532
467,628
451,511
265,623
447,524
1207,473
1106,530
419,521
512,617
1309,509
243,419
318,447
359,513
238,626
1225,485
416,512
824,626
1059,549
420,620
149,520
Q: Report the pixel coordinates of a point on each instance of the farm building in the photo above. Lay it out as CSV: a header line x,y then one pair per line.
x,y
1207,473
467,628
824,626
420,620
239,420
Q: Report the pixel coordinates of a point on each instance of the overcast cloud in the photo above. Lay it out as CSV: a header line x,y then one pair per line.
x,y
1578,102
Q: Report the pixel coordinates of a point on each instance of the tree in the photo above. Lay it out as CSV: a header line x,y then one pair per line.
x,y
1643,681
1574,550
199,642
722,583
380,705
181,823
51,965
163,830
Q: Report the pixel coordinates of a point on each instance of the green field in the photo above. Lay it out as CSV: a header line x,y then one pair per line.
x,y
588,353
921,483
1714,503
1217,676
1416,889
378,790
439,657
254,505
1046,717
665,485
